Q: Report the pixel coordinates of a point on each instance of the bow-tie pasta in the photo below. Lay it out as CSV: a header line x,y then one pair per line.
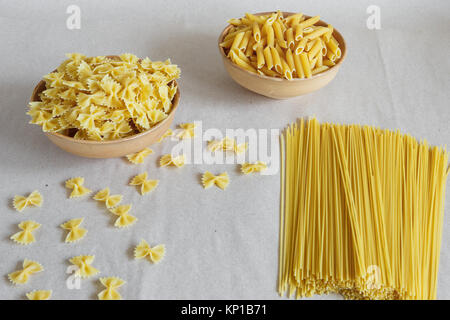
x,y
154,254
23,275
39,295
111,284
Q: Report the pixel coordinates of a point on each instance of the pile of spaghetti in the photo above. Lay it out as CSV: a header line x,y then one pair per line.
x,y
361,212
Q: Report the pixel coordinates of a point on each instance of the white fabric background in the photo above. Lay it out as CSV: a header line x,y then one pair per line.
x,y
220,245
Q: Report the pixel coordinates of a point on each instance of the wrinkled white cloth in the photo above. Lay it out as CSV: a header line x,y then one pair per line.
x,y
219,244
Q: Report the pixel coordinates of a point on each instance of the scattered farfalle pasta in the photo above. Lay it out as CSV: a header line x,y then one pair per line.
x,y
277,46
75,232
169,160
139,157
222,180
39,295
33,199
105,98
166,134
227,144
78,190
84,264
145,184
248,168
26,235
154,254
125,219
109,200
111,284
186,131
22,276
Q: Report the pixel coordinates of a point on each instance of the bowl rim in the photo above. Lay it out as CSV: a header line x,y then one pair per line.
x,y
175,101
285,14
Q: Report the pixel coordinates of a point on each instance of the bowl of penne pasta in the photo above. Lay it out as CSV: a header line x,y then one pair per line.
x,y
281,54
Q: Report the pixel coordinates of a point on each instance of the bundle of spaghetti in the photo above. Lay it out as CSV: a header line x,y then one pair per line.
x,y
361,212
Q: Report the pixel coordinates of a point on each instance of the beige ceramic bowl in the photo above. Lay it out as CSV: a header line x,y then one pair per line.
x,y
112,148
279,88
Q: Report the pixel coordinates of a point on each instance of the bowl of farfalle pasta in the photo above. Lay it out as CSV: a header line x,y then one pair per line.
x,y
106,106
281,54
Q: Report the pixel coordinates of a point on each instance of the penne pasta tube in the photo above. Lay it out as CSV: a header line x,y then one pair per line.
x,y
327,35
298,67
260,61
310,21
290,38
338,53
262,43
276,60
294,19
328,63
290,59
315,49
253,18
309,45
241,63
279,34
305,64
249,50
317,33
239,54
235,32
280,51
312,63
331,56
245,40
319,62
268,57
300,47
307,30
298,32
270,35
237,40
287,72
235,22
324,48
256,32
319,69
272,18
268,72
227,44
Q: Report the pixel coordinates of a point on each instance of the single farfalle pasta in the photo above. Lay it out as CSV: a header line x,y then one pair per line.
x,y
105,98
78,190
222,180
153,254
39,295
26,235
248,168
23,276
75,232
139,157
168,133
169,160
84,266
33,199
227,144
186,131
145,184
109,200
125,219
111,284
275,45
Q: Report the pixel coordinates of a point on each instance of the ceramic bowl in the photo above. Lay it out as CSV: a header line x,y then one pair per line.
x,y
280,88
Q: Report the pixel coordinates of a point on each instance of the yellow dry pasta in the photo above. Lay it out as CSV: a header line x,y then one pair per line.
x,y
145,184
105,98
168,133
361,212
139,157
248,168
169,160
187,131
33,199
109,200
75,232
222,180
84,266
153,254
125,219
111,284
22,276
26,235
78,190
39,295
277,41
227,144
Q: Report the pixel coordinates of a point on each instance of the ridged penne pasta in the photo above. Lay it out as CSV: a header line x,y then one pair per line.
x,y
290,47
